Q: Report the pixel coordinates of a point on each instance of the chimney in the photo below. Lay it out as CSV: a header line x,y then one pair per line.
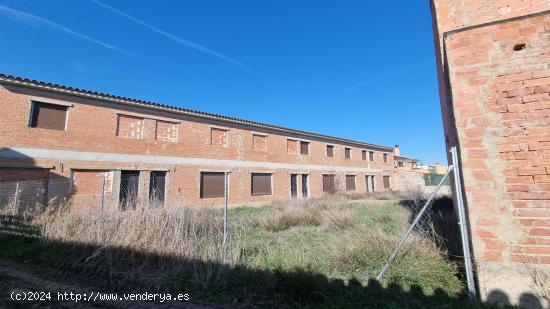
x,y
396,151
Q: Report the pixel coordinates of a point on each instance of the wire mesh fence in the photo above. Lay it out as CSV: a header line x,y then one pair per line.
x,y
20,197
98,192
429,225
433,179
426,222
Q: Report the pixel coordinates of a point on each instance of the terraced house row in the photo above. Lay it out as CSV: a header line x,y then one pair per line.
x,y
88,145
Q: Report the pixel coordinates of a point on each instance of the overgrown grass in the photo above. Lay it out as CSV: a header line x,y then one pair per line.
x,y
347,240
294,253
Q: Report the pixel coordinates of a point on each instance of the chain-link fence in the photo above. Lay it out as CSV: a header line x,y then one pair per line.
x,y
437,224
433,179
31,196
98,192
20,197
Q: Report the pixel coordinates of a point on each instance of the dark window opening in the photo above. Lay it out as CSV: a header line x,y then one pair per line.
x,y
304,148
386,180
48,116
261,184
212,185
157,185
293,185
371,156
129,188
364,155
347,153
386,158
304,186
369,181
330,151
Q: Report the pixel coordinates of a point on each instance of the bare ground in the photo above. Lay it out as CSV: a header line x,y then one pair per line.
x,y
21,277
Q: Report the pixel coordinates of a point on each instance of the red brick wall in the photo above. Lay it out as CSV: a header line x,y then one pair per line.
x,y
130,127
23,174
92,127
166,131
90,182
495,105
30,184
501,103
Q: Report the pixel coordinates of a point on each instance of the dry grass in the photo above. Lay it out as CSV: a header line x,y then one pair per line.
x,y
419,261
383,195
330,211
332,236
182,240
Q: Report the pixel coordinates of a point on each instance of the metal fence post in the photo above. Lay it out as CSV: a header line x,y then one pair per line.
x,y
225,193
15,200
463,223
102,193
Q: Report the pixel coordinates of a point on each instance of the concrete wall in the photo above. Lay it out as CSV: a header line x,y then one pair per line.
x,y
407,180
494,87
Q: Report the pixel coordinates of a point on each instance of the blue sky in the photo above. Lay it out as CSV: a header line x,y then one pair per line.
x,y
363,70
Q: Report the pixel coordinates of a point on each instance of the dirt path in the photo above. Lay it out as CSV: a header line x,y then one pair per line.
x,y
18,279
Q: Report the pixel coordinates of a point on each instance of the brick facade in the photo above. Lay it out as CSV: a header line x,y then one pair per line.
x,y
107,136
494,74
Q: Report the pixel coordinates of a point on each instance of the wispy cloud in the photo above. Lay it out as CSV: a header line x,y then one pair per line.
x,y
173,37
36,20
384,76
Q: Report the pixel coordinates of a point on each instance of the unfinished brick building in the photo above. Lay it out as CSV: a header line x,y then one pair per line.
x,y
55,134
494,76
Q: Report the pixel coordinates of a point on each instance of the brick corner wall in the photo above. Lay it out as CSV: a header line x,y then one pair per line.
x,y
494,70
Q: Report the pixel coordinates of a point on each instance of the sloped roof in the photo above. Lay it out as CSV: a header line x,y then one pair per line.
x,y
25,82
405,158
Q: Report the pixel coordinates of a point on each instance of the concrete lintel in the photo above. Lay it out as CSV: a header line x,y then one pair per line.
x,y
117,168
135,159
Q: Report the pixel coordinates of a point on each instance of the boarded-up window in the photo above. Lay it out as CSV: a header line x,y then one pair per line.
x,y
212,185
259,142
261,184
330,151
347,153
48,116
328,184
304,148
386,180
386,158
130,126
166,131
218,137
364,155
350,182
371,156
291,146
91,182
